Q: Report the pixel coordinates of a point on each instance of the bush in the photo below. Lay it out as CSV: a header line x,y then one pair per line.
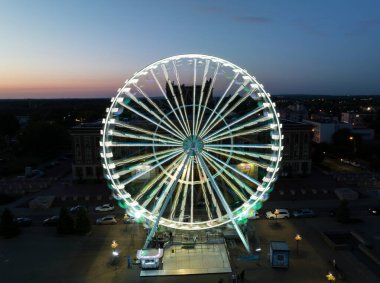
x,y
8,227
65,223
343,212
83,222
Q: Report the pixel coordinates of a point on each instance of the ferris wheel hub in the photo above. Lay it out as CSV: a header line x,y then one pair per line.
x,y
194,144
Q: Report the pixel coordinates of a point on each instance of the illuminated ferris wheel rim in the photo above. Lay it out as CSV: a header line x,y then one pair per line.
x,y
134,207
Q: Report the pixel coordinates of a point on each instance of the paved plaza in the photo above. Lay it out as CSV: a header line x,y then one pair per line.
x,y
39,255
202,259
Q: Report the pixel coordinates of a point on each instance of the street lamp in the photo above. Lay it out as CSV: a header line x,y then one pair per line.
x,y
276,212
330,277
114,245
352,138
298,238
115,253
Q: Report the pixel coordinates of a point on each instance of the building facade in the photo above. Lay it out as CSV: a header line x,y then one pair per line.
x,y
86,149
296,158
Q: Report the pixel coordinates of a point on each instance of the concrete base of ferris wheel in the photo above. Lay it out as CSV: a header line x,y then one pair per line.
x,y
187,260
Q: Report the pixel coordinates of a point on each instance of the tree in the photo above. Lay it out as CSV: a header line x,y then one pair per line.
x,y
44,138
65,223
343,212
8,124
8,227
83,222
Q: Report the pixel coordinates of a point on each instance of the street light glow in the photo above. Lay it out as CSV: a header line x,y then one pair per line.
x,y
330,277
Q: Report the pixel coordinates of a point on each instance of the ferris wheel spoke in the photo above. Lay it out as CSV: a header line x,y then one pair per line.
x,y
217,105
129,180
236,191
148,186
168,101
130,169
185,193
194,92
163,115
239,158
219,118
150,111
138,129
223,201
207,203
268,157
150,120
252,180
175,99
260,146
166,174
228,126
208,97
192,192
213,199
167,192
177,194
142,157
116,133
228,181
243,126
137,144
228,135
201,95
171,186
229,174
181,95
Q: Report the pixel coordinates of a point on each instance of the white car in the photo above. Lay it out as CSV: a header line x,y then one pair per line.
x,y
279,213
105,207
110,219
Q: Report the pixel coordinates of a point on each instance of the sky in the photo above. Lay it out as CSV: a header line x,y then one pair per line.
x,y
71,48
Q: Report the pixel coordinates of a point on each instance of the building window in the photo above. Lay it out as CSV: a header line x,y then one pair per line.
x,y
89,171
79,172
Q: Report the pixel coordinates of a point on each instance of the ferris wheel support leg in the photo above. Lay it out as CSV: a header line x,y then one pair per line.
x,y
224,203
166,202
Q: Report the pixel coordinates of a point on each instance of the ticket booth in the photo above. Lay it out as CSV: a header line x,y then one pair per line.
x,y
279,254
150,258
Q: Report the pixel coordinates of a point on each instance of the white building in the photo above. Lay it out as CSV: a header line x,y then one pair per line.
x,y
324,131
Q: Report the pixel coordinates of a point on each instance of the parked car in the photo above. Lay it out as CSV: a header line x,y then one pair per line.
x,y
281,213
304,212
75,209
110,219
23,221
374,211
105,207
51,221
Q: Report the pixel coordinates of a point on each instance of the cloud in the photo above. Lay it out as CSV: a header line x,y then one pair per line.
x,y
363,26
253,19
308,29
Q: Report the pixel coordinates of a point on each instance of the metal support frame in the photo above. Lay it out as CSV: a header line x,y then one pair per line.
x,y
167,199
224,203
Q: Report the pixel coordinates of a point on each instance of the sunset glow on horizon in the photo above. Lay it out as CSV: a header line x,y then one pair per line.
x,y
52,49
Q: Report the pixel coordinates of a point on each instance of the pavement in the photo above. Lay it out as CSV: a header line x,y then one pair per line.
x,y
40,255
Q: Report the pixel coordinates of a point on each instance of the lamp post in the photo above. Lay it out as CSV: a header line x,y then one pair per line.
x,y
330,277
298,238
276,212
115,253
352,138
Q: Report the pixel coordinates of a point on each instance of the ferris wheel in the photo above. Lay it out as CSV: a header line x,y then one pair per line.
x,y
191,142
